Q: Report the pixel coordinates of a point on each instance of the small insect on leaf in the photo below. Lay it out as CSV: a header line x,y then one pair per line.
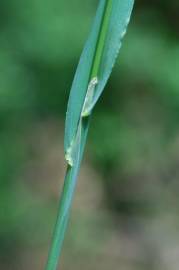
x,y
87,106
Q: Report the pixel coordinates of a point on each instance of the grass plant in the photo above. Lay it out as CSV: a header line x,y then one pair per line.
x,y
94,68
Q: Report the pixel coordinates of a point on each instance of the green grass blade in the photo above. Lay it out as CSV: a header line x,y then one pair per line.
x,y
81,79
93,71
97,59
117,27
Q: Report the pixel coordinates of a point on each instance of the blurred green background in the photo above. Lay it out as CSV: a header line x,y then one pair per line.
x,y
125,211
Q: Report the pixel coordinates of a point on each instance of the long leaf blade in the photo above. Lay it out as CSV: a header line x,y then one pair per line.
x,y
117,23
81,79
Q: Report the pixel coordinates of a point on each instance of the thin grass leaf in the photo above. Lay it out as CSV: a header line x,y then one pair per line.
x,y
94,69
115,15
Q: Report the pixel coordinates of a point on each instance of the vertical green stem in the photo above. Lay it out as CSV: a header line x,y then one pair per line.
x,y
62,219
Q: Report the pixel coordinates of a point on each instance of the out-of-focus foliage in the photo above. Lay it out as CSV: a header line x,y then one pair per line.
x,y
134,138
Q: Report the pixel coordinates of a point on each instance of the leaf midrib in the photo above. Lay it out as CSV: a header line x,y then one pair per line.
x,y
101,40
